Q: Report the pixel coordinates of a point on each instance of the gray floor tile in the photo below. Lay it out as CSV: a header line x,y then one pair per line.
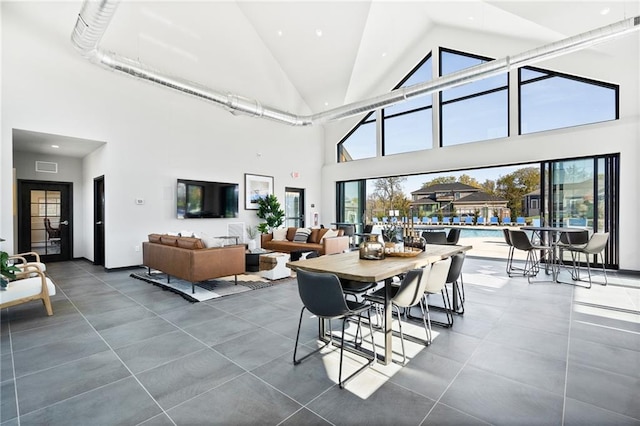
x,y
605,335
220,329
493,366
501,401
123,335
43,388
56,353
256,348
541,342
6,367
610,358
8,407
614,392
453,345
120,403
442,415
578,413
243,401
152,352
195,313
427,374
301,382
305,417
118,317
390,404
183,379
49,334
533,369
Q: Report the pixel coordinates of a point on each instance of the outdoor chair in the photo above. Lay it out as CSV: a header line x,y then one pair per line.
x,y
507,221
493,220
594,246
322,296
468,220
481,221
521,241
434,220
456,220
453,236
520,221
434,237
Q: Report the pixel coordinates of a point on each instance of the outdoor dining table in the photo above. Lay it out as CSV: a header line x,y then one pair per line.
x,y
551,236
349,266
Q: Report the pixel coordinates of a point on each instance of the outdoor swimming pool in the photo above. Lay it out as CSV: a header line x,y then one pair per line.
x,y
474,232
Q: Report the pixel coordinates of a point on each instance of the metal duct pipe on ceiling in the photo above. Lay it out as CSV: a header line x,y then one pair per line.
x,y
94,18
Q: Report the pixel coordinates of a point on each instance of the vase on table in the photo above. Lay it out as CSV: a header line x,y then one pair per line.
x,y
371,248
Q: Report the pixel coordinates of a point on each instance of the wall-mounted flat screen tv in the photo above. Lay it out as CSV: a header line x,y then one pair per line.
x,y
198,199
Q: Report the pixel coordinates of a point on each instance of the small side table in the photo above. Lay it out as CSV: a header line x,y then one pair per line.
x,y
273,266
252,260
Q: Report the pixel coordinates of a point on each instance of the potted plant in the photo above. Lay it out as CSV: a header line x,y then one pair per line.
x,y
392,236
252,233
7,271
269,210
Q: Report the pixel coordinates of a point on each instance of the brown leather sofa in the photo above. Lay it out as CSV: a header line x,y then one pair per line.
x,y
329,245
188,259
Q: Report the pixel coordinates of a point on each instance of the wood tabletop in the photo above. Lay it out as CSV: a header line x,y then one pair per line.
x,y
350,266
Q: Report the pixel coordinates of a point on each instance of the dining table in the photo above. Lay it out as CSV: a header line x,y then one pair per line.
x,y
551,235
349,266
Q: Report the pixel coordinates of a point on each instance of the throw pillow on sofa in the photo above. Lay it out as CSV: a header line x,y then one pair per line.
x,y
280,234
302,235
329,234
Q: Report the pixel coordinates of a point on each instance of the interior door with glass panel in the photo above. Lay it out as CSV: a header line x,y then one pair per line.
x,y
44,219
294,207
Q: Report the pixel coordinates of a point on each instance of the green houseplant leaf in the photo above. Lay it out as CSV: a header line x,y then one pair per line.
x,y
269,210
6,270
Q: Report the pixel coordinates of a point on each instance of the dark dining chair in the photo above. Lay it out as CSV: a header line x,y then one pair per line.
x,y
521,241
322,295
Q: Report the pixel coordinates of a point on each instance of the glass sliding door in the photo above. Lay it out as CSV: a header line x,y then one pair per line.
x,y
583,193
351,203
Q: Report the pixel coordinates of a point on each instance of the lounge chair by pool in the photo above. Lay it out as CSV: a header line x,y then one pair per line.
x,y
446,220
481,221
468,220
456,220
434,220
507,221
520,221
493,220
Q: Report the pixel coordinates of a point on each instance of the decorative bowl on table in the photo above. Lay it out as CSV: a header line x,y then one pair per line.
x,y
407,252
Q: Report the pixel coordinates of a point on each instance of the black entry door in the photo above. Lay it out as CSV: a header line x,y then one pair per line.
x,y
98,221
44,219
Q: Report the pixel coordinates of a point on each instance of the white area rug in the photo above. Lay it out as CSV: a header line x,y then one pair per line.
x,y
206,290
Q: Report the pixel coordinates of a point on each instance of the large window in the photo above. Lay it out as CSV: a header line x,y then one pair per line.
x,y
550,100
407,126
361,142
476,111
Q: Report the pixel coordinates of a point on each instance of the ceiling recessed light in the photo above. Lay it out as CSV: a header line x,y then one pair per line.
x,y
55,146
279,33
384,54
319,33
471,18
605,11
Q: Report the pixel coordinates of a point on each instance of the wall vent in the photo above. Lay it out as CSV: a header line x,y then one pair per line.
x,y
46,167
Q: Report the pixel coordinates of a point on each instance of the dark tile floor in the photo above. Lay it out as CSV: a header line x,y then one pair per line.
x,y
118,351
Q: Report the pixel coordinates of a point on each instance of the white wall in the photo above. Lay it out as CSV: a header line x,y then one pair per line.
x,y
153,136
617,62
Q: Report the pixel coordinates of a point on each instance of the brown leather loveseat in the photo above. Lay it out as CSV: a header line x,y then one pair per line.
x,y
188,259
315,242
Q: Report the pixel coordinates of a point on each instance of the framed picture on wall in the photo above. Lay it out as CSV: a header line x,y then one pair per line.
x,y
255,188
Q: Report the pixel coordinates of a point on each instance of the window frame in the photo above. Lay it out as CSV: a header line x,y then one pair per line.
x,y
552,74
442,103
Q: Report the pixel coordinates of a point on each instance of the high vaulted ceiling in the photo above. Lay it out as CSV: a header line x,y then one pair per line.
x,y
332,52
